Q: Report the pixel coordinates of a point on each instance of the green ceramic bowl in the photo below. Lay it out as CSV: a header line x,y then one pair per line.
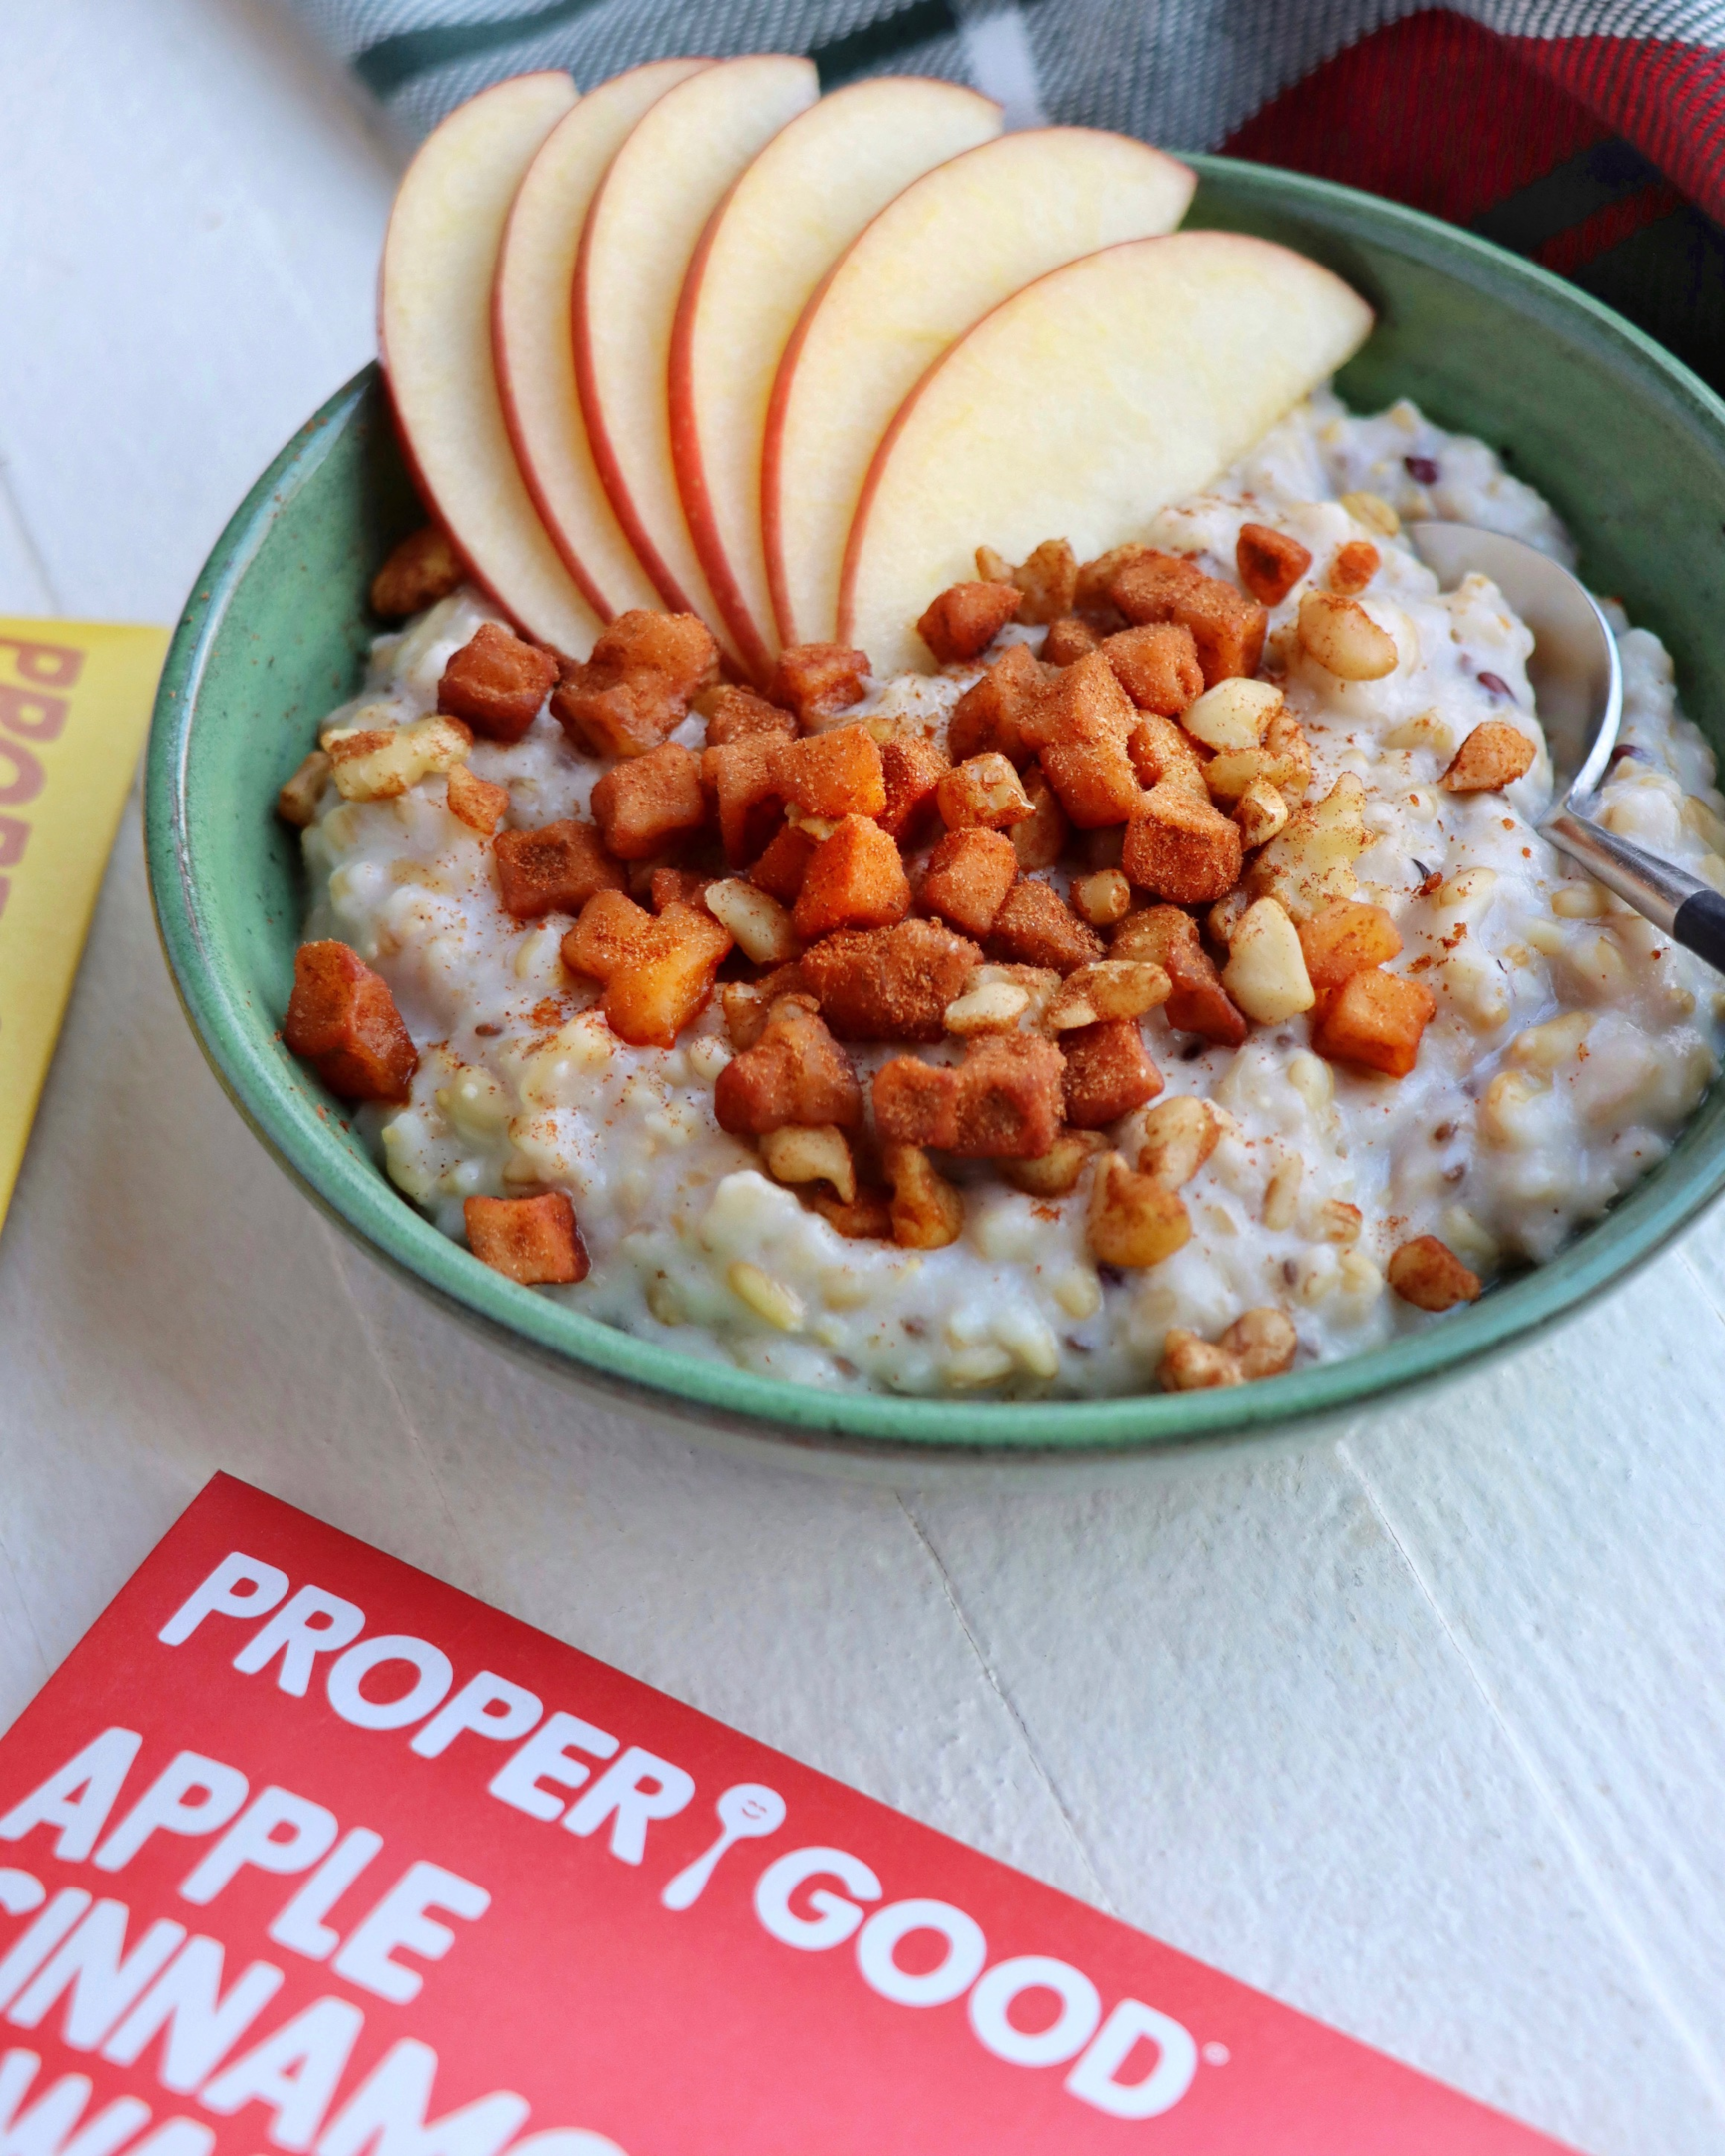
x,y
1627,444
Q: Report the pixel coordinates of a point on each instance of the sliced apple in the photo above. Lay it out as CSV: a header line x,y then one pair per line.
x,y
649,212
766,247
533,335
439,262
950,248
1081,407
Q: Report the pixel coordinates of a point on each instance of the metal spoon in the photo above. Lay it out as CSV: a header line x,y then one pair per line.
x,y
1578,694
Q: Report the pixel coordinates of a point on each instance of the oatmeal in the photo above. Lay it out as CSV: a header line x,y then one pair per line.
x,y
932,1035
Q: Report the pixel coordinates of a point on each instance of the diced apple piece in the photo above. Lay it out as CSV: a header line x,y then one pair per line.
x,y
439,262
1083,404
788,216
646,217
952,247
533,347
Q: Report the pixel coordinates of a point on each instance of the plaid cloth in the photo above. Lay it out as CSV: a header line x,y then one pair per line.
x,y
1587,134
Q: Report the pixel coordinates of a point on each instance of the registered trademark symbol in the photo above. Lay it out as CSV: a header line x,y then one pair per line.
x,y
1215,2054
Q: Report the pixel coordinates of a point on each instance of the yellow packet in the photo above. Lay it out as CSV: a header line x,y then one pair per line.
x,y
74,704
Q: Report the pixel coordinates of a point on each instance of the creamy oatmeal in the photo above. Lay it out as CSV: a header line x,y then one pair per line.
x,y
1566,1044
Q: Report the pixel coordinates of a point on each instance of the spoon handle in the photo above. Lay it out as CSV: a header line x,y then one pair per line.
x,y
1689,911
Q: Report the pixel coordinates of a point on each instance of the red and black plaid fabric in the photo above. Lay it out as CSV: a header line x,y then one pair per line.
x,y
1587,134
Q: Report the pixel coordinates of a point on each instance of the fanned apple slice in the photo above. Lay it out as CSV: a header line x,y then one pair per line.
x,y
766,247
956,243
1081,407
435,328
662,187
533,342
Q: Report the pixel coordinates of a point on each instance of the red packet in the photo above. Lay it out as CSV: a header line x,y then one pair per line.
x,y
303,1850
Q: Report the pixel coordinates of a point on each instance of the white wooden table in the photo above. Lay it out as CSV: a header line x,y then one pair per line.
x,y
1419,1731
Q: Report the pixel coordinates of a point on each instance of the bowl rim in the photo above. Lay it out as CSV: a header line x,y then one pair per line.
x,y
355,1193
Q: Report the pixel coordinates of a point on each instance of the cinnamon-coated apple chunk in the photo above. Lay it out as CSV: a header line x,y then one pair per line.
x,y
531,1240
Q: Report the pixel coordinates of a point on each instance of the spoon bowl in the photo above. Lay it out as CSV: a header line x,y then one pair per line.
x,y
1577,682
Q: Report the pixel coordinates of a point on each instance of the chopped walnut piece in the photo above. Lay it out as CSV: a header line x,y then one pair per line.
x,y
1109,1072
1179,1137
1375,1019
966,619
1111,988
416,574
1262,1342
1156,663
780,869
378,763
296,803
612,929
911,768
733,714
603,714
1427,1273
760,924
996,999
1083,701
813,1152
928,1210
1047,578
649,802
1070,638
1352,566
1181,847
795,1074
668,978
1036,927
554,870
1283,762
1133,1221
1234,715
477,803
968,877
854,879
1345,938
984,792
987,716
866,1218
889,984
1260,812
1161,753
532,1239
1492,757
1270,562
1311,859
816,680
1040,839
496,682
1198,1002
1192,1364
1343,638
1266,971
1055,1174
747,1005
836,773
342,1019
1095,780
1103,897
742,776
1227,627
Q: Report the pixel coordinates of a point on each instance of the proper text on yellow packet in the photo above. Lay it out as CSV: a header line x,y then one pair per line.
x,y
74,704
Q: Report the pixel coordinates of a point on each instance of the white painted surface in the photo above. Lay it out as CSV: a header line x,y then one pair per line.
x,y
1419,1732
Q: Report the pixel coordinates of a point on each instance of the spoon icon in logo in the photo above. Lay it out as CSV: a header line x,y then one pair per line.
x,y
746,1810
